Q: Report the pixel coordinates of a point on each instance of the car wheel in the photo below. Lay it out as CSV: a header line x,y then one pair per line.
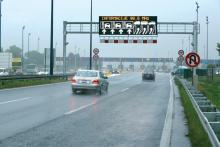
x,y
106,88
99,91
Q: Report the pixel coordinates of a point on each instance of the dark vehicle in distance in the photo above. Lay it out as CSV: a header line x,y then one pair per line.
x,y
115,72
148,74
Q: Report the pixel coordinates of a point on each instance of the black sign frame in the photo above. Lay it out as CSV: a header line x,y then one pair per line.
x,y
128,25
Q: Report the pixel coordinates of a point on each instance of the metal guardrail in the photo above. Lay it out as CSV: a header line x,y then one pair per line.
x,y
23,77
208,114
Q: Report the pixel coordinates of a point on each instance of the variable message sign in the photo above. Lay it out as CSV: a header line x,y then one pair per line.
x,y
128,25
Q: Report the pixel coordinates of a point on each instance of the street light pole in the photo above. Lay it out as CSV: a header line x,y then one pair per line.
x,y
22,50
51,41
1,25
90,58
29,34
207,41
195,44
38,44
197,26
189,44
56,45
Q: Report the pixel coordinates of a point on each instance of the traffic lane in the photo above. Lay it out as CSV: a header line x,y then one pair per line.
x,y
23,92
134,117
30,96
47,103
26,92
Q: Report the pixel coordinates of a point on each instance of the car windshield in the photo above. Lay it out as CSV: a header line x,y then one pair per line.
x,y
148,71
86,74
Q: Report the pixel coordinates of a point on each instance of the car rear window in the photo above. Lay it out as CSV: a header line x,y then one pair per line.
x,y
86,74
148,71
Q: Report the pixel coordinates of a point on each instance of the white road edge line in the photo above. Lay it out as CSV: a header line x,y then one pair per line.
x,y
167,129
124,90
80,108
17,100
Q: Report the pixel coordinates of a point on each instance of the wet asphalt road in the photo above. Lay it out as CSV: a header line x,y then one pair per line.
x,y
131,114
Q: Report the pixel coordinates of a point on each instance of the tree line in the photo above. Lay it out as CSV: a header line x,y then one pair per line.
x,y
34,56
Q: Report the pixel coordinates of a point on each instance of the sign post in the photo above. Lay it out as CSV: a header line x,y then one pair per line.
x,y
193,60
96,57
181,57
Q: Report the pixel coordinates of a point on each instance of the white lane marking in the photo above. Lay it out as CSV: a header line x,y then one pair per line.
x,y
114,75
124,90
80,108
167,129
17,100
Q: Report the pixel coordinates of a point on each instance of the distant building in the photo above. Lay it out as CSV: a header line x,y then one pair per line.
x,y
6,60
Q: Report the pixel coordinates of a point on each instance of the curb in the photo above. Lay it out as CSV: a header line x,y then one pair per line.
x,y
167,129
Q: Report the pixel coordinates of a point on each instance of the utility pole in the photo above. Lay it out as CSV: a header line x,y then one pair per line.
x,y
197,26
22,50
38,44
207,41
1,25
183,44
65,43
195,44
56,45
189,44
79,58
75,59
90,58
29,34
51,41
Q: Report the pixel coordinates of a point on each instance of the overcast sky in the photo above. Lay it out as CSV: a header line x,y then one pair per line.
x,y
35,15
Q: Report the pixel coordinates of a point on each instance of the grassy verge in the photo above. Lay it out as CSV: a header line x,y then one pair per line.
x,y
197,134
28,82
211,89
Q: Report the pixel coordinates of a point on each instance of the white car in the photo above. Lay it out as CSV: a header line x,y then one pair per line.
x,y
42,73
107,25
128,25
3,72
89,80
118,25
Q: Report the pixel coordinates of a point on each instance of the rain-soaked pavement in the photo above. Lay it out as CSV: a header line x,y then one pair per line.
x,y
131,114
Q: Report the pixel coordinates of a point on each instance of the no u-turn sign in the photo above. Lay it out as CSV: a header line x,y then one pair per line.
x,y
192,59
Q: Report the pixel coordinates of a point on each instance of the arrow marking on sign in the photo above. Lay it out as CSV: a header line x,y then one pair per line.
x,y
145,31
129,31
120,31
113,31
138,29
104,31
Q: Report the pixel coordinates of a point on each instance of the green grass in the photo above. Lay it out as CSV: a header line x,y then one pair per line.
x,y
28,82
211,89
197,134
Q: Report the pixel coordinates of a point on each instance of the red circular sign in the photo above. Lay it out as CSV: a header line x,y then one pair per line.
x,y
192,59
96,51
180,58
181,52
95,57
